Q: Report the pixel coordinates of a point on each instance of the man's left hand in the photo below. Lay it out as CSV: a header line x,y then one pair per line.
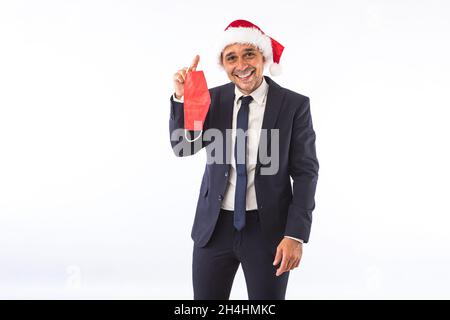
x,y
289,252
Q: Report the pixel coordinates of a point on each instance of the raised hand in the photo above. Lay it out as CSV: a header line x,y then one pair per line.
x,y
180,75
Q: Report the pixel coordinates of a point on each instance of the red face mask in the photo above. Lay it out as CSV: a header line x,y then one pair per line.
x,y
196,100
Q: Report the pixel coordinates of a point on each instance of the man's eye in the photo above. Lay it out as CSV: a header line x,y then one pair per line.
x,y
231,58
250,54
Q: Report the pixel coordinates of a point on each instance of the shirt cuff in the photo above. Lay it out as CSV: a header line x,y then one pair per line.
x,y
299,240
178,100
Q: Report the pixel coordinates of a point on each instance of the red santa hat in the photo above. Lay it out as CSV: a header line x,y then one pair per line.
x,y
243,31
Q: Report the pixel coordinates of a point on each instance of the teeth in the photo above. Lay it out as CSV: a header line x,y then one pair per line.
x,y
245,75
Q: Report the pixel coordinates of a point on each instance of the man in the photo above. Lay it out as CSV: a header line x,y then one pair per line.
x,y
247,214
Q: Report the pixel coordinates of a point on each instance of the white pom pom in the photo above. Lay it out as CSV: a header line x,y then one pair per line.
x,y
275,69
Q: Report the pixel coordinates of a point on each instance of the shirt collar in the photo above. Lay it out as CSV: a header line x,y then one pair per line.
x,y
258,95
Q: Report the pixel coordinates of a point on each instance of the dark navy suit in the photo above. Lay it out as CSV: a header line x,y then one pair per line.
x,y
284,208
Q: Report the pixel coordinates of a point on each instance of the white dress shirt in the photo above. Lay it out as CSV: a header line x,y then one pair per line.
x,y
255,118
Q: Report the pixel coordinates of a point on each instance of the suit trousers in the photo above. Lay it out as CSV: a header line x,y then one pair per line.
x,y
215,265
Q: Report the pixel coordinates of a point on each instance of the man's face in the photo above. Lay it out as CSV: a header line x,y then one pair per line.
x,y
244,65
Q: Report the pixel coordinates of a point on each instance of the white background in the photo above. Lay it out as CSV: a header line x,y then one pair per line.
x,y
93,203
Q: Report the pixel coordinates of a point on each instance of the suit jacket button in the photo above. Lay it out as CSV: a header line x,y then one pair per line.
x,y
220,198
226,174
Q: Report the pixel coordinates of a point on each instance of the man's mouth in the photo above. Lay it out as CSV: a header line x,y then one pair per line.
x,y
246,75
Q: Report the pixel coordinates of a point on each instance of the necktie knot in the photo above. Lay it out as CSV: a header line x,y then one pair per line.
x,y
245,100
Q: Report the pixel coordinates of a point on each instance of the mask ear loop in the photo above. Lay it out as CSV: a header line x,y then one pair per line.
x,y
189,140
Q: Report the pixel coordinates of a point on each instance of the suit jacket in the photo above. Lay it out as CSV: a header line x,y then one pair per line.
x,y
284,209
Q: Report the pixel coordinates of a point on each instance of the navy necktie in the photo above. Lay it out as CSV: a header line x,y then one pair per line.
x,y
240,147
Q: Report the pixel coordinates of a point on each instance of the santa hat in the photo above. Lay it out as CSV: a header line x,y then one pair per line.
x,y
243,31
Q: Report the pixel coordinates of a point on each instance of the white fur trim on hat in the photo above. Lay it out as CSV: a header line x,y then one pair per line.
x,y
250,36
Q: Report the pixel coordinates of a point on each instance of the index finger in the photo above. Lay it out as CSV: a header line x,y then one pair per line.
x,y
194,64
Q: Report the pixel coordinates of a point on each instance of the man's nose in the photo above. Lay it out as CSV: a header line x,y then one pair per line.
x,y
241,65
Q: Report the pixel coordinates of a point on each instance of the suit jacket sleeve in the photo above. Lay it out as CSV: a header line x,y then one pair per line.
x,y
180,146
303,168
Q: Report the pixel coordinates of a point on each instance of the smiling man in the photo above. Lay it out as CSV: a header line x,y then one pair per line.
x,y
245,216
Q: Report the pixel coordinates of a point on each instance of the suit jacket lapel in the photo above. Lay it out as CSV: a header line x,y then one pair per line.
x,y
273,106
226,118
